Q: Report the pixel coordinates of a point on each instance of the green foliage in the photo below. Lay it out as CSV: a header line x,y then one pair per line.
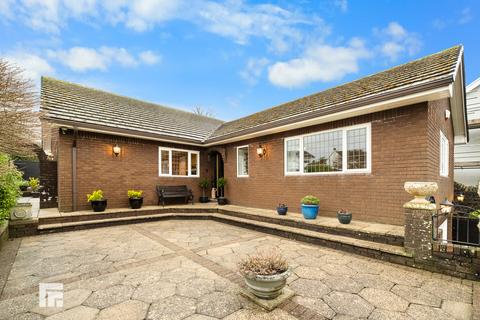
x,y
475,214
310,200
34,183
318,167
96,195
221,182
204,183
135,194
10,181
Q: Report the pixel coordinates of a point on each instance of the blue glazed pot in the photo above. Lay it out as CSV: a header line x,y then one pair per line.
x,y
344,218
282,210
310,211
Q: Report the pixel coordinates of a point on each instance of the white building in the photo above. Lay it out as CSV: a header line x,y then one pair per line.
x,y
467,156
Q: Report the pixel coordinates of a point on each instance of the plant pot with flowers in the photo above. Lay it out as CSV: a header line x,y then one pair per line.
x,y
282,209
265,274
203,184
97,201
221,182
310,206
344,217
135,198
34,184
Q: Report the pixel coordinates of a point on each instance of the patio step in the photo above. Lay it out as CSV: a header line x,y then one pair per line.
x,y
345,243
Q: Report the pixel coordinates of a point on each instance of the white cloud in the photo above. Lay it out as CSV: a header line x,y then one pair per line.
x,y
82,59
253,70
342,4
33,65
319,63
397,41
149,57
465,16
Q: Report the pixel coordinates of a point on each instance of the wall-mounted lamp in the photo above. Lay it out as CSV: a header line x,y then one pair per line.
x,y
261,151
116,150
446,206
460,197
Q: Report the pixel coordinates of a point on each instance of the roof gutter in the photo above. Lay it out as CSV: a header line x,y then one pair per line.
x,y
429,91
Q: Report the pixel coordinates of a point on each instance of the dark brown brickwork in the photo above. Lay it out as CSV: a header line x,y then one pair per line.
x,y
97,168
404,148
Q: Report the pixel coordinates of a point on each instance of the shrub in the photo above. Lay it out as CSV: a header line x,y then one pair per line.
x,y
474,214
263,263
135,194
221,182
310,200
96,195
10,181
204,183
34,183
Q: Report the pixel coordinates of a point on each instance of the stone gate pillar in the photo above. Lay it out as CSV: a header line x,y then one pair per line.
x,y
418,219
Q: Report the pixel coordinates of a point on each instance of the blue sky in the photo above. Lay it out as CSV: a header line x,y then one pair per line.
x,y
232,58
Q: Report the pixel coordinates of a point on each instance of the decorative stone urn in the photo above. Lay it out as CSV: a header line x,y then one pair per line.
x,y
420,190
266,287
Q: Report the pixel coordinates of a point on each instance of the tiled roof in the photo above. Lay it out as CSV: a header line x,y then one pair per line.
x,y
64,101
429,68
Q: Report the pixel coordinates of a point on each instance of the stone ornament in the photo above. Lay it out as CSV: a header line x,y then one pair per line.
x,y
420,190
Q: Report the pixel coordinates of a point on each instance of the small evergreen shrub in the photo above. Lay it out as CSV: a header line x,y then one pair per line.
x,y
96,195
310,200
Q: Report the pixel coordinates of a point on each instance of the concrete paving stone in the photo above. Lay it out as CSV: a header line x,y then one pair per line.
x,y
384,299
97,283
317,305
448,290
417,295
77,313
373,281
344,284
94,266
199,317
348,304
71,299
128,310
420,312
106,297
379,314
16,305
218,304
141,277
195,288
400,276
306,272
309,261
362,266
336,270
258,314
151,292
27,316
172,308
458,310
309,288
177,276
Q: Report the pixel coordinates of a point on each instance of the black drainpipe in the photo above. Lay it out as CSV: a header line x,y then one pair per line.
x,y
74,169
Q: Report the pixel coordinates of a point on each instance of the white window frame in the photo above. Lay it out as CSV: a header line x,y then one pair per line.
x,y
444,155
189,159
248,162
345,170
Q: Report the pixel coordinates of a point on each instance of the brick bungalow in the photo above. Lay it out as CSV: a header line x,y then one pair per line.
x,y
361,141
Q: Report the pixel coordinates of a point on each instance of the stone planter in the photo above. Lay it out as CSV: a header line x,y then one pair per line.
x,y
266,287
420,190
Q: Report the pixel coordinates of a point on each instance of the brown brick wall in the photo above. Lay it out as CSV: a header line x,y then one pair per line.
x,y
400,152
97,168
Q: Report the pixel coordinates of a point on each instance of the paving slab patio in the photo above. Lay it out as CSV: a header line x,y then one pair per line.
x,y
178,269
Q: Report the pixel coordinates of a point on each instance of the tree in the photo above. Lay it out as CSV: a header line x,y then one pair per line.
x,y
202,112
18,120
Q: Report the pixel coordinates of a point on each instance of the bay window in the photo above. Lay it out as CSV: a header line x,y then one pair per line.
x,y
342,150
178,163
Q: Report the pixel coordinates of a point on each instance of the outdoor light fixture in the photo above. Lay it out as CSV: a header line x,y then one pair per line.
x,y
460,197
116,150
446,206
261,151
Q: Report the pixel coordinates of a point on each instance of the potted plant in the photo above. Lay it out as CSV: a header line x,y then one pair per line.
x,y
221,182
98,202
135,198
344,217
265,274
24,185
282,209
34,184
310,207
203,184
